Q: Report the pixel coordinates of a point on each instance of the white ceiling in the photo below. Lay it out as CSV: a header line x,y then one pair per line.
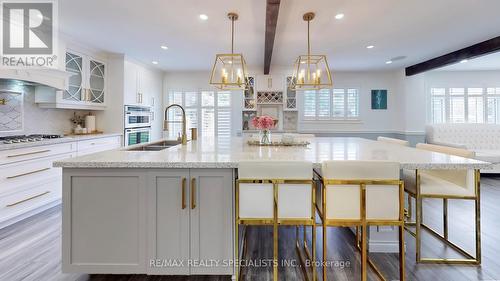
x,y
419,30
488,62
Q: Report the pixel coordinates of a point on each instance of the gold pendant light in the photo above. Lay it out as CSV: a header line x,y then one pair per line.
x,y
229,71
311,71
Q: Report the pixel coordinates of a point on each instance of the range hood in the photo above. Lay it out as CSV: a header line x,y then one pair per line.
x,y
51,77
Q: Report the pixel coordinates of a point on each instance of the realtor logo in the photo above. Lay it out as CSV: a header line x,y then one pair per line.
x,y
28,33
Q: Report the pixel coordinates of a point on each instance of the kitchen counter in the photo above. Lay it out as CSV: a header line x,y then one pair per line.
x,y
228,152
55,141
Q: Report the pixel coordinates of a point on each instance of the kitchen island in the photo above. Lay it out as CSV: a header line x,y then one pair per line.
x,y
172,211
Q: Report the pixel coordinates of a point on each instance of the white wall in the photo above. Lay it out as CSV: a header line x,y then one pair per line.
x,y
417,91
371,120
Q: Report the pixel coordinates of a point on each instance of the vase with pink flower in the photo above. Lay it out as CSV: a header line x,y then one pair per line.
x,y
264,124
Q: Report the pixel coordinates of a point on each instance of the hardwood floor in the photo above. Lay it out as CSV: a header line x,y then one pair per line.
x,y
31,249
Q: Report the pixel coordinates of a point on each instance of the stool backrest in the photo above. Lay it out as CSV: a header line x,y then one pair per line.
x,y
346,181
394,141
463,178
263,170
261,182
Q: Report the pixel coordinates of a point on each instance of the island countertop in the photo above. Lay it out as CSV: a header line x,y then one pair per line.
x,y
228,152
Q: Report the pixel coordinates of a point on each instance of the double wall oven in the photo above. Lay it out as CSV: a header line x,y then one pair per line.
x,y
137,124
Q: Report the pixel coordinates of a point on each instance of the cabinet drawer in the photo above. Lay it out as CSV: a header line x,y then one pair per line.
x,y
29,173
29,199
29,153
101,142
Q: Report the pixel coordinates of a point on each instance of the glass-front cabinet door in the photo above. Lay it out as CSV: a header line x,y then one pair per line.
x,y
87,84
96,81
74,64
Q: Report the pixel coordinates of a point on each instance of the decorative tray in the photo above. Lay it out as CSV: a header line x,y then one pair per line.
x,y
278,143
85,134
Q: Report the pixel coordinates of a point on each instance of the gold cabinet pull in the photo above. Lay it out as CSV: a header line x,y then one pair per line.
x,y
27,199
183,186
193,191
29,153
28,173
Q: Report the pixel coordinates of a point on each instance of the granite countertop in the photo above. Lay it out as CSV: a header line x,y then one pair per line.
x,y
70,138
228,152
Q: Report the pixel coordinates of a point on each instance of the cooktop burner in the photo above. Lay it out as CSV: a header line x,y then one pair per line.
x,y
27,138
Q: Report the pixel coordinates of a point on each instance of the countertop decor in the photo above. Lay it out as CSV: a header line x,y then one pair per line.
x,y
278,143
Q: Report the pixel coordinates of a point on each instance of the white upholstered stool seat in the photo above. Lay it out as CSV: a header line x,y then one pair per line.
x,y
394,141
443,185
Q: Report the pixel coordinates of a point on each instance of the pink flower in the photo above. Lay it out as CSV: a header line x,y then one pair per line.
x,y
263,122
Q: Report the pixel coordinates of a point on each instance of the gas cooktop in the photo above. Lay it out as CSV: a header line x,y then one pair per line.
x,y
27,138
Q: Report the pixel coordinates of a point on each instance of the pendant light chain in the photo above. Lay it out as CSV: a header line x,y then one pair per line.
x,y
308,39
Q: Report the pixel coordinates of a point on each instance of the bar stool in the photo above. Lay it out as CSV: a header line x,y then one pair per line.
x,y
394,141
352,195
444,184
275,193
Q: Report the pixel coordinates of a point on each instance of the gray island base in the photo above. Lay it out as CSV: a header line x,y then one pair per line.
x,y
172,211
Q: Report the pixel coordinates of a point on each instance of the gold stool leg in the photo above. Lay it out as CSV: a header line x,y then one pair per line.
x,y
237,252
313,241
402,275
364,253
324,252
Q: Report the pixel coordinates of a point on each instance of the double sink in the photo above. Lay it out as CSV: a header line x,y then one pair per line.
x,y
155,146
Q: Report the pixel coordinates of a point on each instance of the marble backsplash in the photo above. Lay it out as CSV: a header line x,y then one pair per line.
x,y
36,120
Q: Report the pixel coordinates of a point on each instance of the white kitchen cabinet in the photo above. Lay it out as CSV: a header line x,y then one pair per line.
x,y
196,226
28,182
269,83
98,144
137,84
86,86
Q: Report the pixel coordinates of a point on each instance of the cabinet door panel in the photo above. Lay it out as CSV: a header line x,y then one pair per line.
x,y
74,65
212,220
96,81
168,223
130,87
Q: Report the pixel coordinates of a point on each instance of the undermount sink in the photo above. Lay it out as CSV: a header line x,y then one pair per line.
x,y
157,146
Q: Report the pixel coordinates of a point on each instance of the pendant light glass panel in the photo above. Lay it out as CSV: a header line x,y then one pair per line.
x,y
229,72
311,72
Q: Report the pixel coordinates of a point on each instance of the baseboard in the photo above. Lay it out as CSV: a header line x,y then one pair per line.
x,y
383,246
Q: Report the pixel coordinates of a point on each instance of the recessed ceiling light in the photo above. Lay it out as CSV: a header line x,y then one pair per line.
x,y
370,47
339,16
203,17
388,62
464,61
154,62
164,47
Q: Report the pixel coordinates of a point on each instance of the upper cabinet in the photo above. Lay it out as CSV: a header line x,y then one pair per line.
x,y
137,84
86,86
269,83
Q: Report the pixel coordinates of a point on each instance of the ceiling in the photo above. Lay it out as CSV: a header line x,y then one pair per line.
x,y
418,30
488,62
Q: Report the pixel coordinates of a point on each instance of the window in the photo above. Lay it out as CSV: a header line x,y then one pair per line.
x,y
208,111
335,104
465,105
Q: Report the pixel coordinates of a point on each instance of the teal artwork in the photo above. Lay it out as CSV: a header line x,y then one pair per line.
x,y
379,99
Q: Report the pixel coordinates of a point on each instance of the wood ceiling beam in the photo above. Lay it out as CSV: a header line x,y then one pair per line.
x,y
477,50
272,10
